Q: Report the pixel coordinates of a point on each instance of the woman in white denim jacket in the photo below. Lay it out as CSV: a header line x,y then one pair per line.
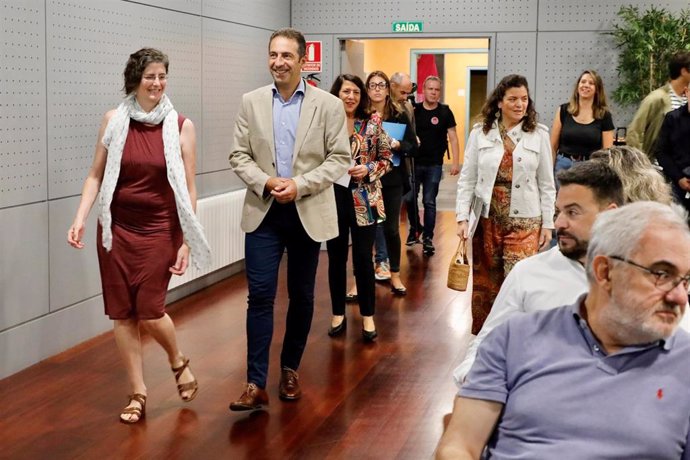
x,y
508,174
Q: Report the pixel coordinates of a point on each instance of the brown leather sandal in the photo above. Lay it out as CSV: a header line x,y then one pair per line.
x,y
140,412
189,386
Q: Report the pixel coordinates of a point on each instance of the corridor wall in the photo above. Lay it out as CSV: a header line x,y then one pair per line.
x,y
549,41
61,66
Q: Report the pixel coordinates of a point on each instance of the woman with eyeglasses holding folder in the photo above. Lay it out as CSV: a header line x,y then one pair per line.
x,y
360,206
397,182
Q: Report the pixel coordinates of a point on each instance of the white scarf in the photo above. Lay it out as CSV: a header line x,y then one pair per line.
x,y
114,141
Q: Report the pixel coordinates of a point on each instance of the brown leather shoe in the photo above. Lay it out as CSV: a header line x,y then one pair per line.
x,y
289,389
252,398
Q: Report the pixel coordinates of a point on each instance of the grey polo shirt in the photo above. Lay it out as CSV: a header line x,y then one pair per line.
x,y
565,398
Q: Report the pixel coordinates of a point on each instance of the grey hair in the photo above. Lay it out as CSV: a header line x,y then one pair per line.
x,y
397,78
432,78
619,231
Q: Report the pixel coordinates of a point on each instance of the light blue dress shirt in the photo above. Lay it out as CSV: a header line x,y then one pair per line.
x,y
285,121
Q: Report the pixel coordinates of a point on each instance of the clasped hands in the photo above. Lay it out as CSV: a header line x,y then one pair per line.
x,y
284,190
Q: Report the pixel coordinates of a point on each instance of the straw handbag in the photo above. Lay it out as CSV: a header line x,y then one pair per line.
x,y
459,269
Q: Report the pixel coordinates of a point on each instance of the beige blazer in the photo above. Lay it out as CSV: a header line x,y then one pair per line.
x,y
321,155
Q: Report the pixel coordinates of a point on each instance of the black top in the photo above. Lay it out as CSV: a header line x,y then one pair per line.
x,y
582,139
673,144
398,175
432,129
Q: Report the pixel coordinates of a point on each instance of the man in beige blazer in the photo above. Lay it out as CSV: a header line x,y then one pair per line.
x,y
290,145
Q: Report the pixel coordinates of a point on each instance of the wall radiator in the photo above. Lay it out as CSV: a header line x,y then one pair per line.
x,y
220,215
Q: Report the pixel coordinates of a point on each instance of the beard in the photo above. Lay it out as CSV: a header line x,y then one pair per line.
x,y
632,324
577,251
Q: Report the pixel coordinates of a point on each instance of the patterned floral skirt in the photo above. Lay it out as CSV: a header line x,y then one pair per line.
x,y
499,242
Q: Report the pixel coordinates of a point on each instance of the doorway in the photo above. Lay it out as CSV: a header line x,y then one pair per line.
x,y
452,57
477,81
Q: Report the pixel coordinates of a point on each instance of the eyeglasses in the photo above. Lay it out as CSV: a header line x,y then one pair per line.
x,y
382,85
152,78
662,279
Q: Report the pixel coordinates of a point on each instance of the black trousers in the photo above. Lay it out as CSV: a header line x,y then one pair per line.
x,y
362,246
392,200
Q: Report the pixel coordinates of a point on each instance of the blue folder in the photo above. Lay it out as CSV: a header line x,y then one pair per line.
x,y
394,130
397,132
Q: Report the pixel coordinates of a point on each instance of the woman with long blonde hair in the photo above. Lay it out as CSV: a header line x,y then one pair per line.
x,y
583,124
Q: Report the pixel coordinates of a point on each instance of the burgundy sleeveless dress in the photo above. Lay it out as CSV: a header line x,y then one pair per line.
x,y
146,230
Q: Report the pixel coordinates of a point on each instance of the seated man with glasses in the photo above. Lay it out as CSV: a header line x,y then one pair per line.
x,y
606,377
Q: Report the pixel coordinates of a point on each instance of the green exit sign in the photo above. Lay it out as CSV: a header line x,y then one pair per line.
x,y
408,26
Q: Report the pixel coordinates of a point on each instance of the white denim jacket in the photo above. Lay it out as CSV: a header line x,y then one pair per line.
x,y
533,192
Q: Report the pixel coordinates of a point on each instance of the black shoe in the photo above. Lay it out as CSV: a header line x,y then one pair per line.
x,y
369,336
401,291
428,247
339,329
412,239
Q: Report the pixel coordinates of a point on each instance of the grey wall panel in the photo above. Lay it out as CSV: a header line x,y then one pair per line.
x,y
217,182
22,103
124,27
566,15
74,274
515,54
88,46
330,58
563,57
266,14
60,71
354,16
36,340
24,264
438,16
186,6
179,36
235,61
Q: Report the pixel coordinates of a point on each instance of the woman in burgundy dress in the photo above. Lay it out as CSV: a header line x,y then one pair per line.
x,y
143,172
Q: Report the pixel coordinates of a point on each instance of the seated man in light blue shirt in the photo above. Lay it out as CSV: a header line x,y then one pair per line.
x,y
607,377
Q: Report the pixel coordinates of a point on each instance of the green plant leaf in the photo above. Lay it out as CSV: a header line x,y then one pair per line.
x,y
646,41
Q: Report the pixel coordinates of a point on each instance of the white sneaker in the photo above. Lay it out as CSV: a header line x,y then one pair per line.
x,y
382,272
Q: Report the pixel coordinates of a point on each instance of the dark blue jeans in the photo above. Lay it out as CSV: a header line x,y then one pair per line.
x,y
562,162
381,254
428,177
281,229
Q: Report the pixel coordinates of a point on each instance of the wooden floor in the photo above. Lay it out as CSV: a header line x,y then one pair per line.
x,y
380,401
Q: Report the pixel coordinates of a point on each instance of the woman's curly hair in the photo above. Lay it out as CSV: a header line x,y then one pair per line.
x,y
490,108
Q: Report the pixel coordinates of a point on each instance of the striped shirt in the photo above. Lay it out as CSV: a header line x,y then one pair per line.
x,y
676,100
